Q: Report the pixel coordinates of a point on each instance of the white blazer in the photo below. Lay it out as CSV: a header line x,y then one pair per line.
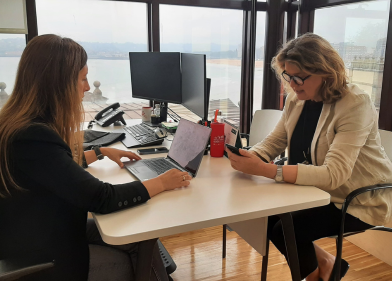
x,y
346,153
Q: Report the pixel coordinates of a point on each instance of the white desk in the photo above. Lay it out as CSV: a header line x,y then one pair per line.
x,y
218,195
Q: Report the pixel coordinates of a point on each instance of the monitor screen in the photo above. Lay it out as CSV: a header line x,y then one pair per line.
x,y
207,101
156,76
193,68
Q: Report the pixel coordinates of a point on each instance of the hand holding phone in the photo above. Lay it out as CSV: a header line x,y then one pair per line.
x,y
153,150
233,149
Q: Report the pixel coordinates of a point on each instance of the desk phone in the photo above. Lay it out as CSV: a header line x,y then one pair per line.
x,y
109,115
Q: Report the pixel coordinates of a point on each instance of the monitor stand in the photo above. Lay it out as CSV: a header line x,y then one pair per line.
x,y
163,111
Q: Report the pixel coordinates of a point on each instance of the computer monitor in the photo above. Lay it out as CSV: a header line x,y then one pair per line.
x,y
156,76
207,100
194,84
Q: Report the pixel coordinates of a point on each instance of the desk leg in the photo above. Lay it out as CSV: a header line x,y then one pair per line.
x,y
264,266
144,259
291,246
224,242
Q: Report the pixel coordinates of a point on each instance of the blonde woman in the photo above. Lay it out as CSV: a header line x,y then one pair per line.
x,y
45,194
330,129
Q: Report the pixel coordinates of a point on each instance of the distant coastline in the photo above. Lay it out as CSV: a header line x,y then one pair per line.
x,y
233,62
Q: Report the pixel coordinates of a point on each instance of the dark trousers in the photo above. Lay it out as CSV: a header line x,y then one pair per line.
x,y
118,262
311,225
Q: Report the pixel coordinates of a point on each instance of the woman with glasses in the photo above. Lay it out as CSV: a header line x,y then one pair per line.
x,y
330,130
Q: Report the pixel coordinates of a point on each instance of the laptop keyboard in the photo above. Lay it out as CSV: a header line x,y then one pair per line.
x,y
159,165
143,134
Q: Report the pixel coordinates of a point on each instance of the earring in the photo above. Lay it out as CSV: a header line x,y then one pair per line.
x,y
325,82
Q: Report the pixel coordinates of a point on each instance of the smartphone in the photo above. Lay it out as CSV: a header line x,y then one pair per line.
x,y
152,150
233,149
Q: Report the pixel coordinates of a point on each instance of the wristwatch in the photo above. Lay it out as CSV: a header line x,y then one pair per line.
x,y
279,174
98,152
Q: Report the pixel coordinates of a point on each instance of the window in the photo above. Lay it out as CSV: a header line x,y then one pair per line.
x,y
216,33
11,48
358,32
259,61
108,31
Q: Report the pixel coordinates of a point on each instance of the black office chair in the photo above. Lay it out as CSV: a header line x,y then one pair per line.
x,y
339,240
168,261
386,140
341,235
13,269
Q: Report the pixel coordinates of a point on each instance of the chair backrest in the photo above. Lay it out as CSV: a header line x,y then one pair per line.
x,y
264,121
386,141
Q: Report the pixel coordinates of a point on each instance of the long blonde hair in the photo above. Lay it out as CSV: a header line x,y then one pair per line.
x,y
315,55
45,90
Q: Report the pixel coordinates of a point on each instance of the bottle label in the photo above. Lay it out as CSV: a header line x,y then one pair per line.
x,y
217,140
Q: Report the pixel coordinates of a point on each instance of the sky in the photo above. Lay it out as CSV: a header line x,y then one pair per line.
x,y
352,22
113,21
104,21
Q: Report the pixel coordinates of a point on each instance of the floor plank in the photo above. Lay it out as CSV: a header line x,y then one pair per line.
x,y
198,255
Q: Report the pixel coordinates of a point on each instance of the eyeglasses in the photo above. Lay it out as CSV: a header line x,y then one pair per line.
x,y
298,80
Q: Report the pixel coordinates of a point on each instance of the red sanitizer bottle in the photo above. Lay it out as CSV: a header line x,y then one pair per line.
x,y
217,139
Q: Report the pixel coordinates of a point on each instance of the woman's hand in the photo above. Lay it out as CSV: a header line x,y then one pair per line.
x,y
174,179
167,181
248,163
116,155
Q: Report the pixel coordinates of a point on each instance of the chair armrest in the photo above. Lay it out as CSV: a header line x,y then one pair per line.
x,y
346,203
12,269
361,190
245,136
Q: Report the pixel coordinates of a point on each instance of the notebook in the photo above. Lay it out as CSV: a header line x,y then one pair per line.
x,y
185,153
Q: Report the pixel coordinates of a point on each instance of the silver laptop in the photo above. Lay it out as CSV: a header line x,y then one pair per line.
x,y
185,154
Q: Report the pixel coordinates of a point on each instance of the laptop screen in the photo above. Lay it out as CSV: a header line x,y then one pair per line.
x,y
189,144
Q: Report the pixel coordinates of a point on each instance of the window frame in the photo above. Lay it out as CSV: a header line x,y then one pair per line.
x,y
274,38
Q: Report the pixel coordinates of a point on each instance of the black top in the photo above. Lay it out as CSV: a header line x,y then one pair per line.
x,y
48,220
302,137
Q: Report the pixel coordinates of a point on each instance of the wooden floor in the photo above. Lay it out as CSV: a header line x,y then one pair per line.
x,y
198,255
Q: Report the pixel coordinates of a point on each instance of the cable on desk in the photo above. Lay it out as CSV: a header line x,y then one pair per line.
x,y
176,118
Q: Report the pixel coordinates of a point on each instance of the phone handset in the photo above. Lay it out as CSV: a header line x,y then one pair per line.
x,y
109,115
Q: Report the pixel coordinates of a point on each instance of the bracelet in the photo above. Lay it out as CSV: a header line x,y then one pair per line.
x,y
98,152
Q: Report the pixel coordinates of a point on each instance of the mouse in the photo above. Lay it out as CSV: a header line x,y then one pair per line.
x,y
160,132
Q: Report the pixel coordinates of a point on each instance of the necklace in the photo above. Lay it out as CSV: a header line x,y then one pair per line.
x,y
306,162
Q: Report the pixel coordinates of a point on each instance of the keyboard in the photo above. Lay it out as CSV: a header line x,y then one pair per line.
x,y
143,134
159,165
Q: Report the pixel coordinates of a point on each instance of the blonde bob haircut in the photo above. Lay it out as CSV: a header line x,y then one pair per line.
x,y
315,55
45,92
